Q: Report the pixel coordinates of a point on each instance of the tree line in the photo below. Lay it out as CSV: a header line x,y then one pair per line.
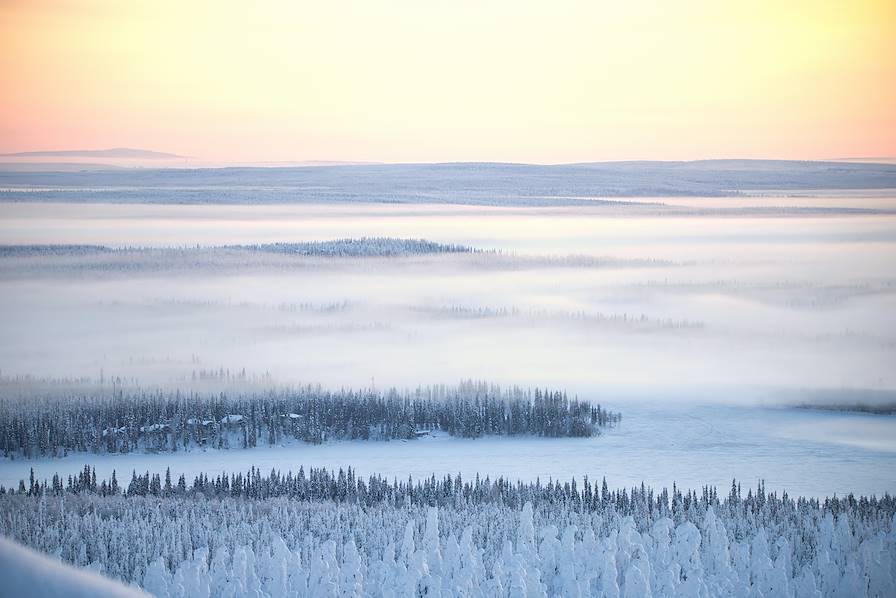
x,y
320,484
454,537
124,420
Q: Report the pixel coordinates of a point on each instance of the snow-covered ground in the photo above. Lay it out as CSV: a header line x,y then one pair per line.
x,y
811,453
24,572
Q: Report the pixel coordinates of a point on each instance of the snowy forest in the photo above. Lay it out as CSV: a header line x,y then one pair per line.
x,y
231,400
349,247
427,299
121,422
326,534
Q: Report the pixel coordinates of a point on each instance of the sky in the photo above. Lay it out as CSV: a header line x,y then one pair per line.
x,y
427,81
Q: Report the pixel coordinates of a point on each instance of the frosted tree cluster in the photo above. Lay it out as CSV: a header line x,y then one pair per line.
x,y
101,260
171,421
348,247
634,543
362,247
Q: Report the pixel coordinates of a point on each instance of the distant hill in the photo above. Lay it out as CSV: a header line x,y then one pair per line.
x,y
451,183
872,159
48,166
115,152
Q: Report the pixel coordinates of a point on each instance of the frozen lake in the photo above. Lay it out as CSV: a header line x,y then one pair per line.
x,y
809,453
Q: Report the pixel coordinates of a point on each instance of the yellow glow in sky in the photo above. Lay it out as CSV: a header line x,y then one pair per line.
x,y
428,80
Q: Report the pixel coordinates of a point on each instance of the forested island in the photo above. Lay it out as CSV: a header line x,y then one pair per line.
x,y
123,421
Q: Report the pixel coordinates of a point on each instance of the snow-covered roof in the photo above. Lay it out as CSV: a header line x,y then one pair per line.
x,y
153,427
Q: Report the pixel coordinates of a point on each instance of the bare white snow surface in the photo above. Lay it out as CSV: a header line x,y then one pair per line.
x,y
26,573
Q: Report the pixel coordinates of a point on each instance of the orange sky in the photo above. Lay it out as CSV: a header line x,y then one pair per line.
x,y
428,80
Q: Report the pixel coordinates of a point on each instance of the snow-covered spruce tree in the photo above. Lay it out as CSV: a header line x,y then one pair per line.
x,y
167,421
476,538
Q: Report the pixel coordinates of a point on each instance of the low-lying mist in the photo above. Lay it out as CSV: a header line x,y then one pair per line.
x,y
718,308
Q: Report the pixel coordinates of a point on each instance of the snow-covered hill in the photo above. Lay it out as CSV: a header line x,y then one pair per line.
x,y
455,183
24,572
